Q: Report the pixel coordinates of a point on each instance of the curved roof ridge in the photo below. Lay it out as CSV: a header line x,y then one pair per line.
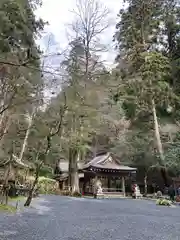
x,y
106,156
108,161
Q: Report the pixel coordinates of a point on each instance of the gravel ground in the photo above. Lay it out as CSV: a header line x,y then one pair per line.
x,y
63,218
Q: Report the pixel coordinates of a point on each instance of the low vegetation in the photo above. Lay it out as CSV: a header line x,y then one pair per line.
x,y
164,202
69,193
46,185
7,208
18,198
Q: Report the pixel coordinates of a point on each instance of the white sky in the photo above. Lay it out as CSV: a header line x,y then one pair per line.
x,y
57,13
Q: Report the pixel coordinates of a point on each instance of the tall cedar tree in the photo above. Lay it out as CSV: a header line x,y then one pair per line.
x,y
138,40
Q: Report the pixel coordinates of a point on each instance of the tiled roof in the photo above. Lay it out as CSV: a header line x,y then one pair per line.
x,y
103,161
107,161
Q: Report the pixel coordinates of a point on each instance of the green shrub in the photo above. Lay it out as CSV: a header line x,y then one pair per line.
x,y
163,202
76,194
7,208
46,171
46,185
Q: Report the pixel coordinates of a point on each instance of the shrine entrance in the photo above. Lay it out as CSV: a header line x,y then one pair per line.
x,y
112,175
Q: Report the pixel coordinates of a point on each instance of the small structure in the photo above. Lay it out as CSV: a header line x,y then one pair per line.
x,y
107,169
103,172
9,169
9,172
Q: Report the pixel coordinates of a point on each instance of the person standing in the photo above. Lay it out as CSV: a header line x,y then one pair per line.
x,y
171,193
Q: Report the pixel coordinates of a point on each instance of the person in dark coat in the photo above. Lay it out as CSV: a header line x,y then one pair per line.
x,y
171,193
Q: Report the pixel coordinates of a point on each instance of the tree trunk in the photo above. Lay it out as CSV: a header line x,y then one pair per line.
x,y
95,147
30,120
5,187
30,195
164,176
6,184
145,185
159,144
31,192
73,171
123,187
75,183
157,133
4,130
70,170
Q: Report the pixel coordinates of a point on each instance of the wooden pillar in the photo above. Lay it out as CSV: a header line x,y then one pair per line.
x,y
84,186
86,183
61,183
109,183
95,187
123,186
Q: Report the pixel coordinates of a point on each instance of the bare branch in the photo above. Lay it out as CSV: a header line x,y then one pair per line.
x,y
61,113
91,20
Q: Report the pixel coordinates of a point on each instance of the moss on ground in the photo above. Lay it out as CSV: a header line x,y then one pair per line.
x,y
7,208
19,198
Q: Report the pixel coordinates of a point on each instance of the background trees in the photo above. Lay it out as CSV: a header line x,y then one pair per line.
x,y
132,109
145,37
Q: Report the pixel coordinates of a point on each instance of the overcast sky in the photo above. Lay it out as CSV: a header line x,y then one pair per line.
x,y
57,13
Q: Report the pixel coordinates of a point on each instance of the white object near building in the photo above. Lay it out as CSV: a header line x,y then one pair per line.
x,y
137,193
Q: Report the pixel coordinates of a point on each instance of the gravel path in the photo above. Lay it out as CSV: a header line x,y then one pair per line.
x,y
63,218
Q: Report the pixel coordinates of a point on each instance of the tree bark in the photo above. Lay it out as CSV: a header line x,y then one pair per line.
x,y
5,188
30,195
31,192
95,147
75,183
123,186
30,121
159,144
73,171
145,185
70,170
48,147
4,130
157,133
